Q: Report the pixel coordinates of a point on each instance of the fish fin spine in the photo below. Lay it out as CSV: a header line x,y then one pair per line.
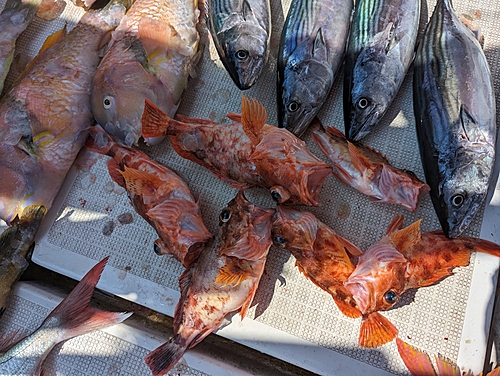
x,y
230,275
375,331
253,118
360,162
417,362
139,182
395,225
164,357
154,121
407,237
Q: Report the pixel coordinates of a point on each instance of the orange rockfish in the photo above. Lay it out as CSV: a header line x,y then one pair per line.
x,y
223,280
159,195
72,317
367,171
151,55
45,116
320,253
247,152
402,260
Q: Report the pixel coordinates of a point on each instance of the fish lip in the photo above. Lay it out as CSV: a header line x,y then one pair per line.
x,y
300,126
360,293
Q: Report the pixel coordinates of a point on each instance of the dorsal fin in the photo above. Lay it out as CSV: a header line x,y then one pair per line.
x,y
395,224
406,238
253,118
360,161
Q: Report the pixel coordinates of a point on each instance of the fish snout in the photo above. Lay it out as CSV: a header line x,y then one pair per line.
x,y
361,293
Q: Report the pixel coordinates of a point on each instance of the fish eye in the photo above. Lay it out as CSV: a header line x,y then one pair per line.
x,y
275,195
363,103
410,173
241,54
457,200
108,102
157,249
225,215
293,106
391,297
279,241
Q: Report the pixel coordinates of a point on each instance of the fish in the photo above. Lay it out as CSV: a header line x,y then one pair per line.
x,y
223,280
379,52
159,195
311,50
407,259
45,116
72,317
151,55
368,171
455,117
247,152
14,19
15,244
323,256
240,30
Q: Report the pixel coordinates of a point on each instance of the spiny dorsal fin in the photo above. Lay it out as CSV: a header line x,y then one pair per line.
x,y
406,238
253,118
395,224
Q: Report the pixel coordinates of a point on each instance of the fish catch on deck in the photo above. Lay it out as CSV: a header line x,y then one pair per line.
x,y
247,152
223,280
455,115
151,55
159,195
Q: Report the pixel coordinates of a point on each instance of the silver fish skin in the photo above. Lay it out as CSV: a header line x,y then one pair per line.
x,y
240,30
454,106
380,49
15,17
312,47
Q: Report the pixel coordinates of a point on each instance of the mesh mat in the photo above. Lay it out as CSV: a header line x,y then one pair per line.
x,y
88,221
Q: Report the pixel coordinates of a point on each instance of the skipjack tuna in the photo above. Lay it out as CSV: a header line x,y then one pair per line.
x,y
454,106
45,117
240,30
151,55
223,280
247,152
324,257
311,50
368,171
405,259
379,52
72,317
159,195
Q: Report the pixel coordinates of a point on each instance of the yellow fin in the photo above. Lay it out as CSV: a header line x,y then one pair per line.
x,y
253,118
53,39
406,238
230,275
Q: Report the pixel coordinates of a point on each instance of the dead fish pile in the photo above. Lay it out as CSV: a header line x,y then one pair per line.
x,y
223,280
454,106
368,171
311,50
380,50
159,195
72,317
240,30
247,152
151,55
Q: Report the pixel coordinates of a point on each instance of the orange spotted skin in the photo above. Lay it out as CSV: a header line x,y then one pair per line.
x,y
405,259
223,280
246,152
321,254
159,195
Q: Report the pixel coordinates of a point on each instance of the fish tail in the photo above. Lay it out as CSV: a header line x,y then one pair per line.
x,y
417,362
99,141
376,330
163,358
75,314
155,122
484,246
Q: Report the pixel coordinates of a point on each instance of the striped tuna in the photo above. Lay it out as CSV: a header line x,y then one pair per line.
x,y
380,50
454,106
311,50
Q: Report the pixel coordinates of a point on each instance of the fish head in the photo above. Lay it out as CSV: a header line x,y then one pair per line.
x,y
294,229
245,229
303,91
118,95
459,197
379,278
244,53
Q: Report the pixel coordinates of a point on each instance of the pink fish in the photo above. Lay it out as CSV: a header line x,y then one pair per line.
x,y
223,280
159,195
247,152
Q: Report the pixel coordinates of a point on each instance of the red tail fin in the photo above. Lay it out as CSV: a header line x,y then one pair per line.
x,y
75,316
99,141
376,330
154,121
481,245
163,358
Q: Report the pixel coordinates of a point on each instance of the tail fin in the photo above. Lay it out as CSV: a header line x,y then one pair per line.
x,y
376,330
155,122
99,141
481,245
74,314
417,362
163,358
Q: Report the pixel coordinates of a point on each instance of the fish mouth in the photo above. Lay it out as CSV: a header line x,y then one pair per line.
x,y
360,292
298,122
357,130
